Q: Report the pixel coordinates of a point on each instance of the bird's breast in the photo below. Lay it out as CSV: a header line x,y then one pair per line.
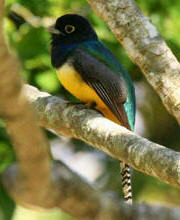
x,y
73,82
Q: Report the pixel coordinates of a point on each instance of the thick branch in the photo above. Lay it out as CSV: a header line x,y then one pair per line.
x,y
29,142
83,201
75,196
89,126
145,47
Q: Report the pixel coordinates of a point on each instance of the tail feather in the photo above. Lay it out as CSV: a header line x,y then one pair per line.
x,y
126,182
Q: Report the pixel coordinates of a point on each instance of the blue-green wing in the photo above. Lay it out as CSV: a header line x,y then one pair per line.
x,y
98,50
109,86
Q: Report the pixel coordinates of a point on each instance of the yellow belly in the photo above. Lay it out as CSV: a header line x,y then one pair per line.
x,y
73,82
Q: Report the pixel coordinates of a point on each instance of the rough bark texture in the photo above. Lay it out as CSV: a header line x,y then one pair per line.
x,y
89,126
145,47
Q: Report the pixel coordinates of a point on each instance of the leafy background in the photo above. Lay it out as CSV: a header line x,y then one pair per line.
x,y
32,46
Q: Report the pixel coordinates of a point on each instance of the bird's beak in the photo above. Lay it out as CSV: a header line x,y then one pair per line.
x,y
53,30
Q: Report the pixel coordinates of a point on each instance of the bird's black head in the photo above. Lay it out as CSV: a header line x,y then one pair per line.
x,y
71,29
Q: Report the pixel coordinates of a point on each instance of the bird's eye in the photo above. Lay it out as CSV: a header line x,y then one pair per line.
x,y
69,28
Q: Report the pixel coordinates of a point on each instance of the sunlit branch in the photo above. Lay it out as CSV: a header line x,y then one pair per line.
x,y
88,125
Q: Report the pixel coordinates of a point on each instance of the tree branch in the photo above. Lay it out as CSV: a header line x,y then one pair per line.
x,y
79,122
81,200
145,47
30,18
29,142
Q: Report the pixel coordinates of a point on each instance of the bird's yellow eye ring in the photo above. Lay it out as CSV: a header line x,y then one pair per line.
x,y
69,28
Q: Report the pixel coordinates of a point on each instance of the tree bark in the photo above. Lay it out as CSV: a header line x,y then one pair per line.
x,y
145,47
29,142
79,122
83,201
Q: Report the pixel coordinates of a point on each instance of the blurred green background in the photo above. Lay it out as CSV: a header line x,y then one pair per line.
x,y
31,44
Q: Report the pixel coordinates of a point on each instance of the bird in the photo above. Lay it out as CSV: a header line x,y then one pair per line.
x,y
88,70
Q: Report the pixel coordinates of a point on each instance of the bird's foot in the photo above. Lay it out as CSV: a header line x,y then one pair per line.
x,y
91,105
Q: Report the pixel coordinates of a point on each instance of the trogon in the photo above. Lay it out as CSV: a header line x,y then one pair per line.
x,y
89,71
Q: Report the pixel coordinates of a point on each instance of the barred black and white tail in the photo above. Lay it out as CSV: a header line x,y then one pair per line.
x,y
126,182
